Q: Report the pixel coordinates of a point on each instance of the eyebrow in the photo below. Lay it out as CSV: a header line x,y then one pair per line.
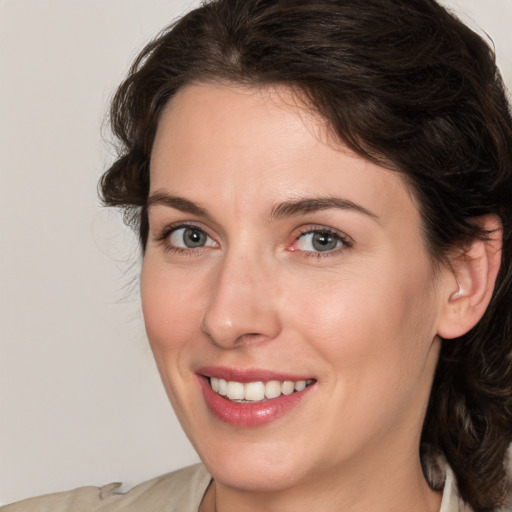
x,y
304,206
292,208
176,202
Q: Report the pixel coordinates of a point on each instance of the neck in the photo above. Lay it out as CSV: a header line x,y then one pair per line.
x,y
399,487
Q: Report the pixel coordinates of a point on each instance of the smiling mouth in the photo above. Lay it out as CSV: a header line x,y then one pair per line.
x,y
256,392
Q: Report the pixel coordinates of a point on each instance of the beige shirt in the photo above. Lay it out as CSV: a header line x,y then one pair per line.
x,y
180,491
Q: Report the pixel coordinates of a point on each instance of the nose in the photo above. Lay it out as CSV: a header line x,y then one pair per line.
x,y
242,306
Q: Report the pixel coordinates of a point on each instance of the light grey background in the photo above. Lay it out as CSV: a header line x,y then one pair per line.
x,y
80,399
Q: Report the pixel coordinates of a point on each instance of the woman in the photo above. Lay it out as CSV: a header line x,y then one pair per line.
x,y
323,195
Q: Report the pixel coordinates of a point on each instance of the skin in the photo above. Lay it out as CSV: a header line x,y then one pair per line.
x,y
362,319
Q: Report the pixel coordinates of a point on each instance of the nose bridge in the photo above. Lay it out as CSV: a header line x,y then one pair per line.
x,y
241,305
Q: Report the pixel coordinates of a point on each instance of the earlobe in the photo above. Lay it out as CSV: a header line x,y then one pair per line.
x,y
471,285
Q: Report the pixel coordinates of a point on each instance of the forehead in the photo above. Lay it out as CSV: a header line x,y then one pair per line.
x,y
233,144
235,117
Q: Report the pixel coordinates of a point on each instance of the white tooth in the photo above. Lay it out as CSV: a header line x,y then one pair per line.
x,y
288,387
214,383
309,381
300,385
235,390
223,387
254,391
273,389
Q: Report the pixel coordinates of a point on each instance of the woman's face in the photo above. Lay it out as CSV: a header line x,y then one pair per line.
x,y
277,259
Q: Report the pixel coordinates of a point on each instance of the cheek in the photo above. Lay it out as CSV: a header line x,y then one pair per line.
x,y
372,323
171,305
375,337
172,316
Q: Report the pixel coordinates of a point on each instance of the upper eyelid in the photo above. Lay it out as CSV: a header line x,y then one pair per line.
x,y
164,232
323,229
160,214
158,224
347,242
162,238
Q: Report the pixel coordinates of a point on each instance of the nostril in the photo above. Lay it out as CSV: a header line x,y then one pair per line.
x,y
247,338
251,337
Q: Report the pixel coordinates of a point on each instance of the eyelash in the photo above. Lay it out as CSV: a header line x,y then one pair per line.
x,y
347,243
163,238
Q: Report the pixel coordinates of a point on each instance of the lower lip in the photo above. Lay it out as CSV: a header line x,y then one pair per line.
x,y
250,414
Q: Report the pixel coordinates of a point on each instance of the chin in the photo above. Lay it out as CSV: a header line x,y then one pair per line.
x,y
253,467
257,477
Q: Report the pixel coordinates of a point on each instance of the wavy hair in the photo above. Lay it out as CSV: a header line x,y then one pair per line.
x,y
406,85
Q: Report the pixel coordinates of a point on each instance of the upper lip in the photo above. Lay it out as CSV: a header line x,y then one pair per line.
x,y
248,374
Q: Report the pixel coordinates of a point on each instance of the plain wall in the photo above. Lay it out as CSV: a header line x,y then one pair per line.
x,y
80,399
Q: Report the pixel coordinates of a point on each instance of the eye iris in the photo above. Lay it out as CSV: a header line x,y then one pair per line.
x,y
324,242
193,238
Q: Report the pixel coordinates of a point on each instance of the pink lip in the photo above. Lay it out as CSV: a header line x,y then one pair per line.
x,y
248,375
248,414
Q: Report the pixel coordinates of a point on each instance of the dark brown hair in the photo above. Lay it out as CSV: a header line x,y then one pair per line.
x,y
407,85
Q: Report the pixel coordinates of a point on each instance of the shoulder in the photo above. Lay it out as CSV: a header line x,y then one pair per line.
x,y
178,491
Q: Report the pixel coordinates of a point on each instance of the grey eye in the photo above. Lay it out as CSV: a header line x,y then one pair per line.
x,y
319,241
190,238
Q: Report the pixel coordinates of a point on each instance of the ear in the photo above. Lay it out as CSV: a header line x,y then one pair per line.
x,y
469,289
